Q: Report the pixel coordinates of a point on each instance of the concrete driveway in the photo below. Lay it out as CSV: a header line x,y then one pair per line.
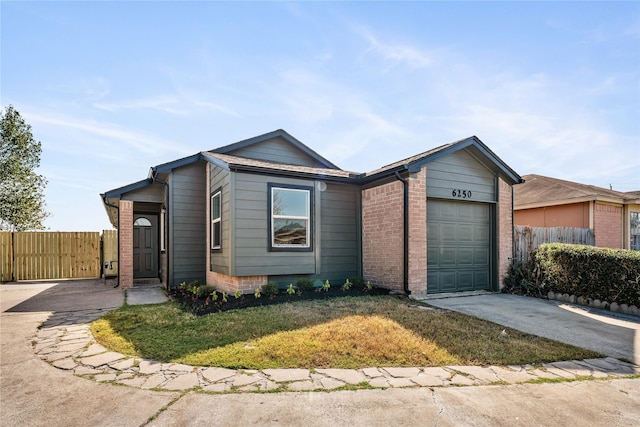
x,y
34,393
616,335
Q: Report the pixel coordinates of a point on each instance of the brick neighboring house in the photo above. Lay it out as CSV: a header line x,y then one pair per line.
x,y
613,216
271,208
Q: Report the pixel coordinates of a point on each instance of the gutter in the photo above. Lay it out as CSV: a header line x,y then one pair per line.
x,y
117,208
405,231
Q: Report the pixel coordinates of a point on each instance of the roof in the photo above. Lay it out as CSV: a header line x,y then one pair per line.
x,y
279,133
245,164
539,191
473,143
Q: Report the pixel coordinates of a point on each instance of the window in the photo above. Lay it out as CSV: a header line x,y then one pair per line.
x,y
216,215
635,231
142,222
290,217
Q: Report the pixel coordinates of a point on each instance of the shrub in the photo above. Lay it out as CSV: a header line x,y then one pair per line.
x,y
357,282
521,278
304,284
270,288
594,273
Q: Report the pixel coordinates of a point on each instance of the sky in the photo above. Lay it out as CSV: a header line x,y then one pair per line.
x,y
113,88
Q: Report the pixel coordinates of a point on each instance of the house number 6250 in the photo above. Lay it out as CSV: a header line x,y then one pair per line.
x,y
462,194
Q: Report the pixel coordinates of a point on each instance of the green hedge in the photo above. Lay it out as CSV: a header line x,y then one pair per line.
x,y
594,273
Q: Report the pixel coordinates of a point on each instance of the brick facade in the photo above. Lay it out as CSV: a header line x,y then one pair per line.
x,y
607,225
382,242
418,232
231,284
505,230
125,241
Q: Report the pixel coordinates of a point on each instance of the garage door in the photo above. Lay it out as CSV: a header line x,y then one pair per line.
x,y
458,246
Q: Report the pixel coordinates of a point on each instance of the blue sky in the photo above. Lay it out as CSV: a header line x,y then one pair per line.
x,y
112,88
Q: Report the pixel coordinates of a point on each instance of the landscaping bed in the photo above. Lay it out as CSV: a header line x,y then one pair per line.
x,y
201,299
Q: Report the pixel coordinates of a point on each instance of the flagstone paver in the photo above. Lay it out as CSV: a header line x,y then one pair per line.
x,y
65,341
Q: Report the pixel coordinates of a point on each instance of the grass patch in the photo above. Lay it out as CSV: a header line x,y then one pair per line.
x,y
350,332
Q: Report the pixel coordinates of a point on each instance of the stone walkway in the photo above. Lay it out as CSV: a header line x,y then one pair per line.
x,y
66,342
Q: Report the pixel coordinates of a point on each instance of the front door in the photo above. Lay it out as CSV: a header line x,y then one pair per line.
x,y
145,246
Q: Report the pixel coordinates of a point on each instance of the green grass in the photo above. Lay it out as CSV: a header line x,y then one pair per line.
x,y
350,332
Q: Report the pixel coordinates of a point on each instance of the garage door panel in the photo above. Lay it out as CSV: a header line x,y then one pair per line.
x,y
465,256
458,246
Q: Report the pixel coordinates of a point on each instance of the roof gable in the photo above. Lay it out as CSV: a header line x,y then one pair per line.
x,y
472,145
277,146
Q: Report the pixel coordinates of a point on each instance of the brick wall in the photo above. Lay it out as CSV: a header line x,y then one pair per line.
x,y
418,233
382,235
505,230
607,225
125,241
231,284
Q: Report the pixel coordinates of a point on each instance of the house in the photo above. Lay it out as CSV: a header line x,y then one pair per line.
x,y
613,216
271,208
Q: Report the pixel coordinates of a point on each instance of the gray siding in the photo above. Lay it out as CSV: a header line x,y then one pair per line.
x,y
221,258
250,229
460,171
276,150
340,235
187,226
153,193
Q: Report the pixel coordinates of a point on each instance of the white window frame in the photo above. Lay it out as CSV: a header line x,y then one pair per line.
x,y
217,220
307,218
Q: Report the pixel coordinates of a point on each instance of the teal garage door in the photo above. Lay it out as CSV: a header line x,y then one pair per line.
x,y
458,246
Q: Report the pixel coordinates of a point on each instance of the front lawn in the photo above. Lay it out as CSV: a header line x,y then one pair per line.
x,y
349,332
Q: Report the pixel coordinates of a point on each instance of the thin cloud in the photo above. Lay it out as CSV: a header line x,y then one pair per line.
x,y
394,54
142,143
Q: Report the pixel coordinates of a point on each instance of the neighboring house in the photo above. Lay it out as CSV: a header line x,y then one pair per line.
x,y
613,216
271,208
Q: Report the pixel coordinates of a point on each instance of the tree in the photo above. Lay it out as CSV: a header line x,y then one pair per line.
x,y
22,205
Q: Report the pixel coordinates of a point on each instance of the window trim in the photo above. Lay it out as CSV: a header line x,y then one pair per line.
x,y
217,220
310,218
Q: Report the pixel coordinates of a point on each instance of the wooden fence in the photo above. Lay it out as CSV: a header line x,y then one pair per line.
x,y
527,239
52,255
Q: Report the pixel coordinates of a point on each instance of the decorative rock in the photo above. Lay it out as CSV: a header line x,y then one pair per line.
x,y
614,307
348,376
634,310
284,375
596,303
380,382
551,295
66,364
182,382
605,304
581,300
624,308
372,372
216,374
149,367
565,297
573,299
331,383
402,372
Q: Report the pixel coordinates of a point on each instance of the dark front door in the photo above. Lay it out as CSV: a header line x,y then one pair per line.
x,y
145,246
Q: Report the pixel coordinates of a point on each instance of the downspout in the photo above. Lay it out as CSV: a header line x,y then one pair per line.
x,y
405,231
117,208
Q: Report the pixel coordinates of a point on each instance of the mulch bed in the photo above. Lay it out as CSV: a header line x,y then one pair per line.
x,y
200,306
